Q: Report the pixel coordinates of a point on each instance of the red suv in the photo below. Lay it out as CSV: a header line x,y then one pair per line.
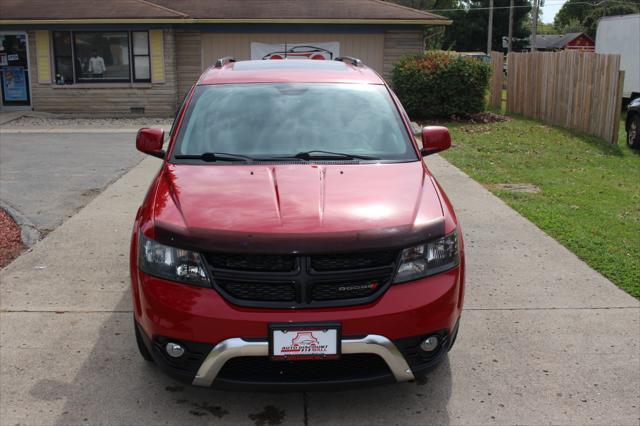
x,y
293,236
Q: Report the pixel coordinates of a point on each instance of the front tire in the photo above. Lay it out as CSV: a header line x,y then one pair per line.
x,y
633,132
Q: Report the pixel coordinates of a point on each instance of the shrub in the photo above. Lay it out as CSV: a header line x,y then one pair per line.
x,y
441,85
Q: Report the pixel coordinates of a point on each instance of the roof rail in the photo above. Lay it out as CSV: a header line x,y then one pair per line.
x,y
223,61
353,61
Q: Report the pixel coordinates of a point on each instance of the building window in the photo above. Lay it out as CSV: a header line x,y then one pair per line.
x,y
141,68
101,56
63,57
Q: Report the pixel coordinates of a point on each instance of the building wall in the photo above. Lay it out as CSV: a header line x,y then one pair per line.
x,y
398,44
367,47
186,54
188,60
159,98
379,51
581,43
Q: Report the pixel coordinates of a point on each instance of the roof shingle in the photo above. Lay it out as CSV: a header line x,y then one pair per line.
x,y
259,10
555,41
83,9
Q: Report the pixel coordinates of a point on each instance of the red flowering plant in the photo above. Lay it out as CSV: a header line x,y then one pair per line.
x,y
440,84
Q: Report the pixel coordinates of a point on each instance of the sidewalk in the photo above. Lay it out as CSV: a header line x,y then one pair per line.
x,y
9,131
18,122
543,339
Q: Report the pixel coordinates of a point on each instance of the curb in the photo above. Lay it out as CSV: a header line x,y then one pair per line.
x,y
29,233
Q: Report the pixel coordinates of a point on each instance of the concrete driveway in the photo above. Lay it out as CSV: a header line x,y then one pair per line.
x,y
48,177
543,339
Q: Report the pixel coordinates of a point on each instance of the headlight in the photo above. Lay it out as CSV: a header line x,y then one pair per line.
x,y
171,263
427,259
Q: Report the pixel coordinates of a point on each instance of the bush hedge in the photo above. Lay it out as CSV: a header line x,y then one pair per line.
x,y
441,85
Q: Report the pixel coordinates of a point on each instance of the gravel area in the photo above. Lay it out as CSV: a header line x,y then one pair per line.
x,y
119,123
10,243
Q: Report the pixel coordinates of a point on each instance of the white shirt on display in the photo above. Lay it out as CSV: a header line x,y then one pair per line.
x,y
96,65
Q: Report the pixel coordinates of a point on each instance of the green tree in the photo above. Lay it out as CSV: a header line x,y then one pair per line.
x,y
433,35
468,32
469,29
578,15
546,29
571,12
573,26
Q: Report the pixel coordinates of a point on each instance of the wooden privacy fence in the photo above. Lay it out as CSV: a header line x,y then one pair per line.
x,y
577,90
497,79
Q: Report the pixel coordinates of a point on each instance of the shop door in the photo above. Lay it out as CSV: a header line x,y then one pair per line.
x,y
14,70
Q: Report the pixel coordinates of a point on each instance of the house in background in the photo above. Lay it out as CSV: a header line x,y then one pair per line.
x,y
570,41
141,57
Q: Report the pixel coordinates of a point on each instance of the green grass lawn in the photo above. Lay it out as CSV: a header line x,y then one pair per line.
x,y
589,197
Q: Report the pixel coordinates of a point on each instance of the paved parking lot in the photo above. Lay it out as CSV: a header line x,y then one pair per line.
x,y
48,177
543,339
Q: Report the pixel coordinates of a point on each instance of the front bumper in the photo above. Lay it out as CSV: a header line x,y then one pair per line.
x,y
232,348
225,341
218,366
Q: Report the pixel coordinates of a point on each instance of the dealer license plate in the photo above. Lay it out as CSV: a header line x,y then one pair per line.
x,y
304,342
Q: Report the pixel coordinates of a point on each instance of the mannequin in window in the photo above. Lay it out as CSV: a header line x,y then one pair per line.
x,y
96,65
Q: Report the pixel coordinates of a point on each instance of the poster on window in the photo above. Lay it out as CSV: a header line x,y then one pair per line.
x,y
326,51
14,84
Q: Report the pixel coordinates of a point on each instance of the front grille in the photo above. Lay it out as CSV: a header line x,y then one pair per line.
x,y
264,370
339,262
263,291
286,281
348,289
253,262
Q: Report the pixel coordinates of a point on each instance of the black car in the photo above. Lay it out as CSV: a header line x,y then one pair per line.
x,y
632,124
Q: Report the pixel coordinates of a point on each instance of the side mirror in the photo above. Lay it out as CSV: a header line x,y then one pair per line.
x,y
150,141
435,139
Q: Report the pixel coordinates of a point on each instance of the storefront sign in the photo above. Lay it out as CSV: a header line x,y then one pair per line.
x,y
14,84
320,51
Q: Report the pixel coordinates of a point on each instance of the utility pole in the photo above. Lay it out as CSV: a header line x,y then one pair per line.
x,y
534,25
490,30
510,26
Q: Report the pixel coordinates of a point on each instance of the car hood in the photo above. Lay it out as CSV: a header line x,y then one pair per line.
x,y
296,208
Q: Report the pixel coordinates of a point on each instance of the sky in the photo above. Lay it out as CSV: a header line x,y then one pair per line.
x,y
550,9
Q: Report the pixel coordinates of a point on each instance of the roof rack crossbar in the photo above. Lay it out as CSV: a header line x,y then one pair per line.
x,y
222,61
353,61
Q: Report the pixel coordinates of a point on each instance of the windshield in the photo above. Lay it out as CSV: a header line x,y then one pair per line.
x,y
264,121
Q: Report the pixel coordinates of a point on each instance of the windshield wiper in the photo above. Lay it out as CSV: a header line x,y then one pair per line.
x,y
305,156
210,157
330,155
